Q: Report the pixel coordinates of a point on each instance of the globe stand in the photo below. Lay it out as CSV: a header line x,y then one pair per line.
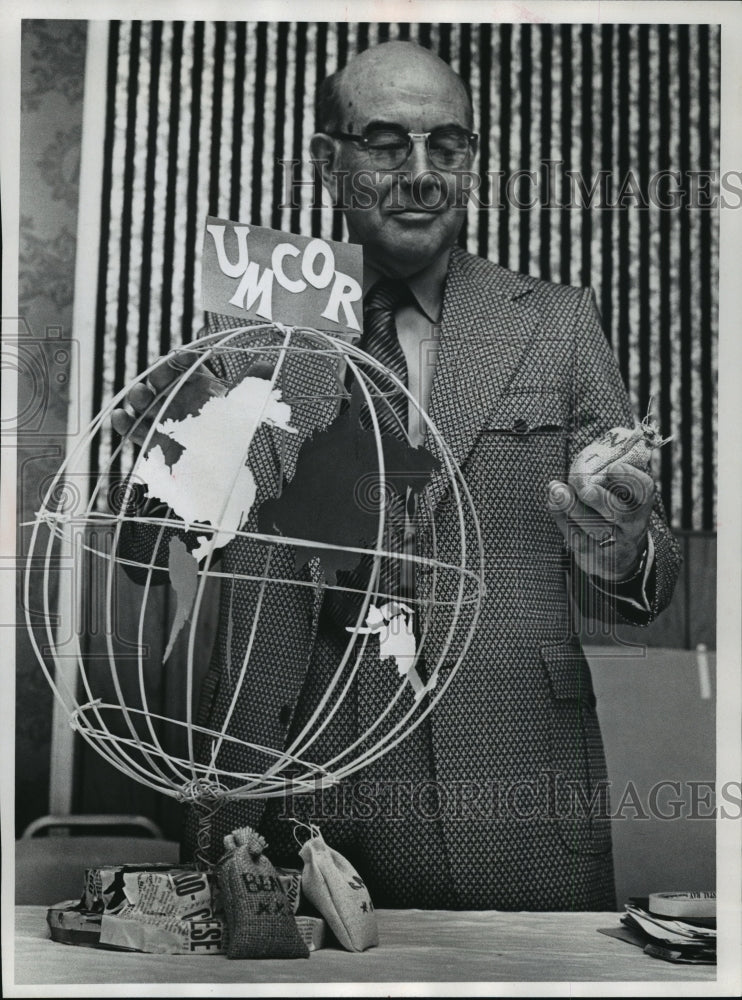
x,y
205,798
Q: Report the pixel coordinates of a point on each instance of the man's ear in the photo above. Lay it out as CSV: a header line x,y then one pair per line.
x,y
323,150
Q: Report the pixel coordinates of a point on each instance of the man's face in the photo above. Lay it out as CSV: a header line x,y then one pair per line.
x,y
412,216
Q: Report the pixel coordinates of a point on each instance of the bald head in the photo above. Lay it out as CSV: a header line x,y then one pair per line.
x,y
391,71
406,216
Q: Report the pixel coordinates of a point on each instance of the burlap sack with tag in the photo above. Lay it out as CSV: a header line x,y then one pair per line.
x,y
259,917
334,887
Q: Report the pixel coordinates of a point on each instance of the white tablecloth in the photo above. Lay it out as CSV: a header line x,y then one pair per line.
x,y
416,946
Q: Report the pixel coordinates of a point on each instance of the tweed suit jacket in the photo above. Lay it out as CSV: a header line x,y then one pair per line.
x,y
505,785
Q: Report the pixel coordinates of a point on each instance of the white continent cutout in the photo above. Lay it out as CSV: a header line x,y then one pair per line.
x,y
392,622
211,482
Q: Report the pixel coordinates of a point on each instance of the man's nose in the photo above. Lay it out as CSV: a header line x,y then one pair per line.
x,y
418,166
417,161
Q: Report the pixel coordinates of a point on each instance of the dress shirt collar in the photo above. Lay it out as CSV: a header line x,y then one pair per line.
x,y
426,285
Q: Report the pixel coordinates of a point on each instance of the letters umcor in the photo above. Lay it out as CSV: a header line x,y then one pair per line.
x,y
294,270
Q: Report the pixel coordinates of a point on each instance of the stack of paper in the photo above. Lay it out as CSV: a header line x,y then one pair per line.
x,y
686,940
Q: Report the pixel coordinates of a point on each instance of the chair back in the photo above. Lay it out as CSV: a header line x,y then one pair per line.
x,y
51,869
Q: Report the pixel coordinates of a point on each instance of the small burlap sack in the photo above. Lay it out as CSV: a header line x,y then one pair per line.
x,y
334,887
259,917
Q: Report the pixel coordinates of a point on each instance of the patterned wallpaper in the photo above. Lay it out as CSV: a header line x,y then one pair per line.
x,y
52,79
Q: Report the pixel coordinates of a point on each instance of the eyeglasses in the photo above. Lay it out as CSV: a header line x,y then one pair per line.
x,y
389,147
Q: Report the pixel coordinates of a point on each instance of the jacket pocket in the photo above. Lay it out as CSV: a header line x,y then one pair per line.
x,y
567,670
521,413
580,789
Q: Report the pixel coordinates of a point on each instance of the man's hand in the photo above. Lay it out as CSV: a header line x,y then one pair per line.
x,y
146,399
588,513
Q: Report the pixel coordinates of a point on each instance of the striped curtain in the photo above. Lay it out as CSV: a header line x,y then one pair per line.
x,y
201,117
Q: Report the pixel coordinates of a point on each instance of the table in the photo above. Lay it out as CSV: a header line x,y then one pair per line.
x,y
418,946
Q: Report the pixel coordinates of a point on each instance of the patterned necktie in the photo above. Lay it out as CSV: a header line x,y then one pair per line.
x,y
381,342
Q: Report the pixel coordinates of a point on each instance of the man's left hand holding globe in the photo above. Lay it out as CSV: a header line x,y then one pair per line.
x,y
146,399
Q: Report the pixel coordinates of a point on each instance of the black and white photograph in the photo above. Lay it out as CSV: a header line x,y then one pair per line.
x,y
371,498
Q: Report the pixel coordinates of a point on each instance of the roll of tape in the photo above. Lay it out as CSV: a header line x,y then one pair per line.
x,y
699,905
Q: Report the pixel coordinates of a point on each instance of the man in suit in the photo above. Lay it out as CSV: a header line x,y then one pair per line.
x,y
497,800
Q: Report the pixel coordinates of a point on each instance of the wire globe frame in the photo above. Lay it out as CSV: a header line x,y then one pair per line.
x,y
291,770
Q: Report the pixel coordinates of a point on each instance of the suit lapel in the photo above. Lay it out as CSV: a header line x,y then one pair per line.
x,y
487,324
